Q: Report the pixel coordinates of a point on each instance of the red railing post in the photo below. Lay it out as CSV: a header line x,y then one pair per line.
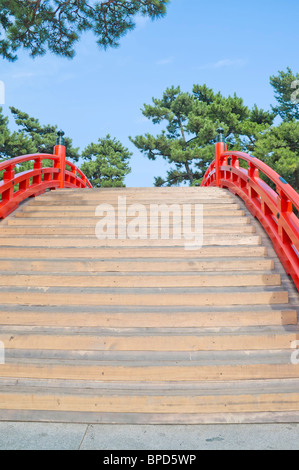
x,y
59,150
8,175
38,165
220,147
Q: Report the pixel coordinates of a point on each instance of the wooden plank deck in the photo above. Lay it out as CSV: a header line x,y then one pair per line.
x,y
141,330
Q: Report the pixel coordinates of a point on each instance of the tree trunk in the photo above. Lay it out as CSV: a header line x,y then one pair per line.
x,y
189,172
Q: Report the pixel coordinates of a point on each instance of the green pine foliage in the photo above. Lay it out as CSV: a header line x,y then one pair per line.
x,y
57,25
31,137
191,120
107,163
278,147
286,91
42,137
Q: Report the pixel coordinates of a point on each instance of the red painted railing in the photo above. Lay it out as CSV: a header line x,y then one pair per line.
x,y
274,209
16,187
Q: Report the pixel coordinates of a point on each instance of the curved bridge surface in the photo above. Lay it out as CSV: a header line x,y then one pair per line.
x,y
109,314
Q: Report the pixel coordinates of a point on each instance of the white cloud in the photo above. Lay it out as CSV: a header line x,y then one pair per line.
x,y
224,63
165,61
21,75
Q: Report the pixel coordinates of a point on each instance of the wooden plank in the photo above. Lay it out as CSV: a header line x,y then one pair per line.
x,y
143,198
216,200
151,374
86,214
211,342
65,230
103,266
176,253
92,207
91,221
151,191
209,298
138,190
232,240
140,281
150,320
154,404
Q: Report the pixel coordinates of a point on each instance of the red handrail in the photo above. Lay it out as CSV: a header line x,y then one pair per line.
x,y
274,209
37,180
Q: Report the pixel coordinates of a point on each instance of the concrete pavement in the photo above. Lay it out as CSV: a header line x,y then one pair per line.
x,y
61,436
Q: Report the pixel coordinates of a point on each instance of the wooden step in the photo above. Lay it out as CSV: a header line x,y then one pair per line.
x,y
133,197
92,221
89,214
211,298
154,404
64,265
224,205
199,318
165,253
148,374
140,280
98,198
65,230
247,402
89,241
196,339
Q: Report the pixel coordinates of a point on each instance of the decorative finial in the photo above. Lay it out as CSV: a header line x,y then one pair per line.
x,y
60,139
220,136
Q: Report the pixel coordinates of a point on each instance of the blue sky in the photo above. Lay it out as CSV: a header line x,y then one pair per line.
x,y
232,46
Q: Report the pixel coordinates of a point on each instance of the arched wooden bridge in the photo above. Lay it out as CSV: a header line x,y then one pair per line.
x,y
126,329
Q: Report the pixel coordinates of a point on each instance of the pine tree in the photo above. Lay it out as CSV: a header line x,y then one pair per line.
x,y
41,137
107,163
13,144
56,25
278,147
191,122
286,86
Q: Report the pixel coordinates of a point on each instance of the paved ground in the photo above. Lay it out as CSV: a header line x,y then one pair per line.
x,y
45,436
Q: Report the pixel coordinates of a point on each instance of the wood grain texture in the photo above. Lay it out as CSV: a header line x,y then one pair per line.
x,y
175,320
153,404
142,281
215,298
141,330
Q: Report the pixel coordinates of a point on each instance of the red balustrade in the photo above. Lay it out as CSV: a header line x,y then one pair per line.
x,y
16,187
274,208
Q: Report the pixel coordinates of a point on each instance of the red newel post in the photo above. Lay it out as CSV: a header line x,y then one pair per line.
x,y
220,147
59,150
8,175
